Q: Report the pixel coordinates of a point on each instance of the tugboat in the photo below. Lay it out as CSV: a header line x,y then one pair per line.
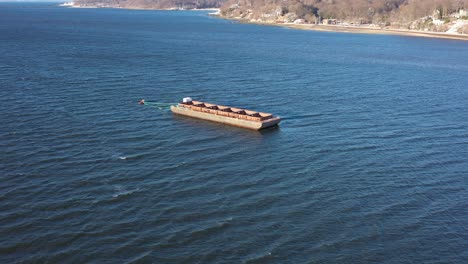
x,y
225,114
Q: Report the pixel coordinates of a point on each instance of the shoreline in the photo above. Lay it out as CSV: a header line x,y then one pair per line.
x,y
375,31
357,29
72,5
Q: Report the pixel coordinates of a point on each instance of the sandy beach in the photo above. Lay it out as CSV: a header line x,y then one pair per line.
x,y
370,30
359,29
362,30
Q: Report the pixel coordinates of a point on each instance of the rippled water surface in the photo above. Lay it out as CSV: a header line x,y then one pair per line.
x,y
369,164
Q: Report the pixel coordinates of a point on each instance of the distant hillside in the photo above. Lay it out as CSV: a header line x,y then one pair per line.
x,y
151,4
431,15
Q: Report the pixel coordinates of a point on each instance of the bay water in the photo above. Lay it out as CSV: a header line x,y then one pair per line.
x,y
369,164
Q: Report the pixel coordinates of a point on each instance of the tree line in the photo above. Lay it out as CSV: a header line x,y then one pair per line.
x,y
357,11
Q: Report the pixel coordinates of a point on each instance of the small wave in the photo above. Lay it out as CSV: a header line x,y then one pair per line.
x,y
127,157
259,258
210,229
124,192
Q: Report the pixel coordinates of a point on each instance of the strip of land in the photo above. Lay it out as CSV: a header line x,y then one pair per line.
x,y
361,30
370,30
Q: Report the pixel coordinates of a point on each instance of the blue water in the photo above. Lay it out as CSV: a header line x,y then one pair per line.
x,y
369,164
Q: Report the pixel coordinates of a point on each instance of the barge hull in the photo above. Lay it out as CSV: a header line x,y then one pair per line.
x,y
255,125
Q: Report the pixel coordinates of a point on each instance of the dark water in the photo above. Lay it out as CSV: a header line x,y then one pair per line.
x,y
369,165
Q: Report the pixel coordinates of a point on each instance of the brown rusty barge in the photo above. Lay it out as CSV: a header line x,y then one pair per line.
x,y
224,114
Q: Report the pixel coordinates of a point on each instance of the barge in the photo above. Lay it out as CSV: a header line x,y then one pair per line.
x,y
225,114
